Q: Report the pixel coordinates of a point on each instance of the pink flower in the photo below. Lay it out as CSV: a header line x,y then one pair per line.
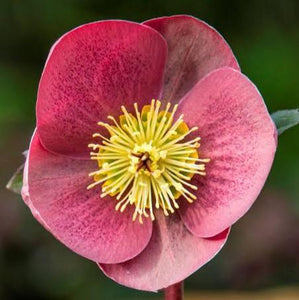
x,y
94,70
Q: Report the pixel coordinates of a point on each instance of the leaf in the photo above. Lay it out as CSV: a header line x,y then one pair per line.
x,y
285,119
16,181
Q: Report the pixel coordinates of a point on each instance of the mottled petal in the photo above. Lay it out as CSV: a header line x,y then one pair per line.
x,y
171,256
194,49
55,191
25,193
239,137
90,72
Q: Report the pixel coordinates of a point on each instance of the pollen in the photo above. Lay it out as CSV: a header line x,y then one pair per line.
x,y
146,160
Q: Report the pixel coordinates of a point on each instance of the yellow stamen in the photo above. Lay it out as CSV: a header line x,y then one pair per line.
x,y
146,162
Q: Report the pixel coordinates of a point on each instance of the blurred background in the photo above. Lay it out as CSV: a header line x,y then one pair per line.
x,y
261,259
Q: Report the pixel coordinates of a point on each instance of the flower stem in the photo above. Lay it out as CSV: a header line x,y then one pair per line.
x,y
175,291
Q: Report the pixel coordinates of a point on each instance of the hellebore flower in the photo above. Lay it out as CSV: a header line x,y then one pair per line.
x,y
149,204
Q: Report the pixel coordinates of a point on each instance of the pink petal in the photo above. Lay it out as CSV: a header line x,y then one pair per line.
x,y
194,49
57,196
90,72
239,137
171,256
25,193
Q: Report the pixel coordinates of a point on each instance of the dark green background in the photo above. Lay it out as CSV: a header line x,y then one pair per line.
x,y
263,250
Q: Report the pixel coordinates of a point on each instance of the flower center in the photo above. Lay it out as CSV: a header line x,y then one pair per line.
x,y
146,161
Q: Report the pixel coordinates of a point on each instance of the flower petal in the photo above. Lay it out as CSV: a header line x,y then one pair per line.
x,y
90,72
57,196
239,137
25,192
171,256
194,49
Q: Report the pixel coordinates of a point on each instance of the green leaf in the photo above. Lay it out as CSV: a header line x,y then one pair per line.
x,y
285,119
16,182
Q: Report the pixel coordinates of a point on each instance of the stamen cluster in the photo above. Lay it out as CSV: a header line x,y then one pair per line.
x,y
146,161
